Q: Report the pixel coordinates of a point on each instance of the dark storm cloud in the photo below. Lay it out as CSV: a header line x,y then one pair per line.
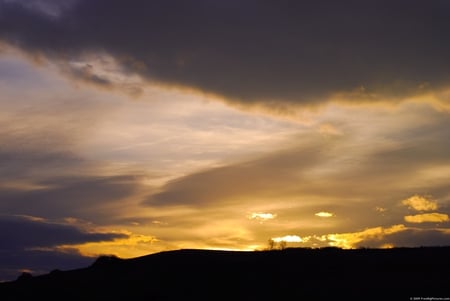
x,y
251,50
27,243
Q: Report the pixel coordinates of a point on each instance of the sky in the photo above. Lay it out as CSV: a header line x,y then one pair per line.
x,y
134,127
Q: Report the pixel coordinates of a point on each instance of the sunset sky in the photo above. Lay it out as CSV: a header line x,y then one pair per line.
x,y
133,127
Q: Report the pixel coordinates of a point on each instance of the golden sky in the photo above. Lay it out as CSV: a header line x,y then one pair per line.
x,y
143,137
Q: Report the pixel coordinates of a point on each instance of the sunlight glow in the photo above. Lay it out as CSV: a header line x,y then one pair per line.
x,y
132,246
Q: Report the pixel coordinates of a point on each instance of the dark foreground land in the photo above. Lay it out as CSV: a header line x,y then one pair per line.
x,y
291,274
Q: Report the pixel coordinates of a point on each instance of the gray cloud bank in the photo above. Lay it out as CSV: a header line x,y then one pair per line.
x,y
249,51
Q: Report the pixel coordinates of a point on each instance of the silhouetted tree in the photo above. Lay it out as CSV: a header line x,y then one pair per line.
x,y
271,243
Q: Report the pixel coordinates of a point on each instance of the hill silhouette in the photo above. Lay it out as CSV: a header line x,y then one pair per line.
x,y
290,274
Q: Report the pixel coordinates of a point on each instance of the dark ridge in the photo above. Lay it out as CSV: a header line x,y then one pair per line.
x,y
24,276
107,260
290,274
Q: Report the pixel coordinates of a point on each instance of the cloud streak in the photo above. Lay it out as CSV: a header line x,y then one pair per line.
x,y
61,197
341,168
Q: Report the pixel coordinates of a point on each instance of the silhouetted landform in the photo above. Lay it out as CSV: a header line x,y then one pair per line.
x,y
290,274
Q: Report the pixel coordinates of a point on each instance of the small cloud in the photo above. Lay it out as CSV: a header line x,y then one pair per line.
x,y
288,238
159,223
380,209
420,203
324,214
261,216
427,218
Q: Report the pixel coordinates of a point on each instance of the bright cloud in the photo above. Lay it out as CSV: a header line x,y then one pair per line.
x,y
288,238
420,203
427,218
262,216
380,209
324,214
